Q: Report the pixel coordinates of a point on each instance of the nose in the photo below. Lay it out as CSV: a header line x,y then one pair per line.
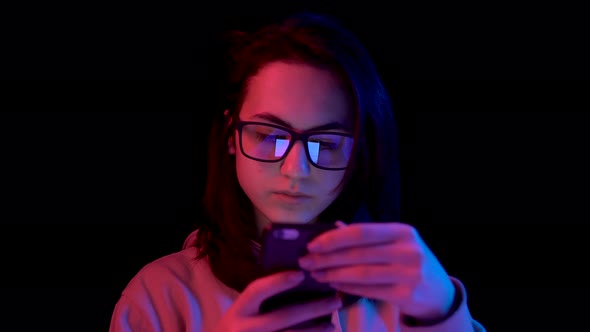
x,y
295,164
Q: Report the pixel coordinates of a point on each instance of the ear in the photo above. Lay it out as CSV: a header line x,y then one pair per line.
x,y
231,147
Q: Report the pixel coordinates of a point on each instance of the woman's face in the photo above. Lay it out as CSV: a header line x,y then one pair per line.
x,y
300,97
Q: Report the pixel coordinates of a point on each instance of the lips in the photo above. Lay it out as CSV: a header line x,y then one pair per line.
x,y
291,198
292,194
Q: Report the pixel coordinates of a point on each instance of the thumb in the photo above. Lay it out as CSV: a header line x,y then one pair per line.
x,y
248,303
340,224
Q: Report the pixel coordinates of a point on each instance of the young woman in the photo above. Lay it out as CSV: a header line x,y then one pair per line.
x,y
307,136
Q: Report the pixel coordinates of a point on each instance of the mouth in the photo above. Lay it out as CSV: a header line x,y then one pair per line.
x,y
288,197
292,194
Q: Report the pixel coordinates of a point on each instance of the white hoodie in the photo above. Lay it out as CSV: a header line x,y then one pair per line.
x,y
178,293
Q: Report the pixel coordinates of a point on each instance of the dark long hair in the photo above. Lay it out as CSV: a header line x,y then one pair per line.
x,y
228,235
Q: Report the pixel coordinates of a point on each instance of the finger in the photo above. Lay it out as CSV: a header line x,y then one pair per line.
x,y
395,253
340,224
360,235
396,294
294,314
248,303
367,274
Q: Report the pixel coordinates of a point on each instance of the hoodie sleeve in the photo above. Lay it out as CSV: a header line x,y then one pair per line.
x,y
459,321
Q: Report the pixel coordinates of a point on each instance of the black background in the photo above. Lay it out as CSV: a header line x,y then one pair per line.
x,y
102,177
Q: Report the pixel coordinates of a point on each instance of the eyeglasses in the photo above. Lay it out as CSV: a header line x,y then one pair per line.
x,y
271,143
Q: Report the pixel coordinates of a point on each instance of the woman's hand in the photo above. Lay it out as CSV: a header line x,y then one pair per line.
x,y
383,261
244,316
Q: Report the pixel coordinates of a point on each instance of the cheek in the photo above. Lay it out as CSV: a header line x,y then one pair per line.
x,y
330,181
251,174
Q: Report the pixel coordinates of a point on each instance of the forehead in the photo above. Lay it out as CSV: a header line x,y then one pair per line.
x,y
301,94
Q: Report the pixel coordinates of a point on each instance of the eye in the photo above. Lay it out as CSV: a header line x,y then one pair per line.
x,y
260,136
263,136
326,144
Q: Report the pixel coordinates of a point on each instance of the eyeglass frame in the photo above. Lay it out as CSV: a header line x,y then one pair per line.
x,y
302,136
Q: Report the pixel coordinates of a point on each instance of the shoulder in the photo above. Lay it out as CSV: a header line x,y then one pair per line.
x,y
179,268
164,295
175,292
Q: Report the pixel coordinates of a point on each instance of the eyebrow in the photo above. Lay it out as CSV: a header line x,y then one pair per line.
x,y
276,120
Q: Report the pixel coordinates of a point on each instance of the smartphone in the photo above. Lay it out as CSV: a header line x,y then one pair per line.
x,y
282,245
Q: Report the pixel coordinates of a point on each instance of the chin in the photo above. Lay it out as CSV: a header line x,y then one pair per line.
x,y
290,217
